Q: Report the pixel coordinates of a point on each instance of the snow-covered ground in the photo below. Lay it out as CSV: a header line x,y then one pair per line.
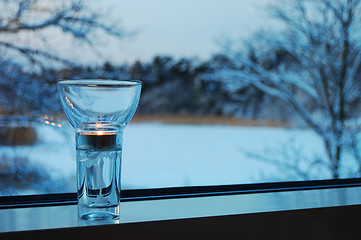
x,y
165,155
157,155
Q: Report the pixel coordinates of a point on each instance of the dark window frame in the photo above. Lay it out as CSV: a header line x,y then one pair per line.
x,y
180,192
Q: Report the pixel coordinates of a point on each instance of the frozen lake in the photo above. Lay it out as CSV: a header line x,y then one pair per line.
x,y
168,155
158,155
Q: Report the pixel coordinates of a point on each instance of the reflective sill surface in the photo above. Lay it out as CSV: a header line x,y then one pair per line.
x,y
65,216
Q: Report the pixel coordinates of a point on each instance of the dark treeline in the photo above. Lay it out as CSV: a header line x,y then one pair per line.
x,y
169,86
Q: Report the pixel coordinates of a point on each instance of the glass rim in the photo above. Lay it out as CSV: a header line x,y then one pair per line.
x,y
99,82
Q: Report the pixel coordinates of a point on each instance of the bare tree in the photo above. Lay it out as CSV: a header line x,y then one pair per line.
x,y
313,66
21,20
63,17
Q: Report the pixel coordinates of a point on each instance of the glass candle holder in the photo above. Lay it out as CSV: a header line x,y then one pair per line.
x,y
99,110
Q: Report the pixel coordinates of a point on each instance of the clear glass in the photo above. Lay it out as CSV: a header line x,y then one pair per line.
x,y
99,110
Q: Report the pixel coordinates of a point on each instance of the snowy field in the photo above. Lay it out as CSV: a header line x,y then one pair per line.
x,y
157,155
165,155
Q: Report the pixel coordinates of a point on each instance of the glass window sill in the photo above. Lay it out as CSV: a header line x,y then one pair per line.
x,y
205,210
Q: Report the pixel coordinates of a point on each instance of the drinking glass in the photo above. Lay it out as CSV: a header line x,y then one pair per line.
x,y
99,110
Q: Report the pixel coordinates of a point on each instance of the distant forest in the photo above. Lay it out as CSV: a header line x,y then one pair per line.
x,y
169,86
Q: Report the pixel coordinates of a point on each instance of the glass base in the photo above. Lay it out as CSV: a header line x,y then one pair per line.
x,y
93,213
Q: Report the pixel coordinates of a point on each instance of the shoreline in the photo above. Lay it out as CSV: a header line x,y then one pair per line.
x,y
207,120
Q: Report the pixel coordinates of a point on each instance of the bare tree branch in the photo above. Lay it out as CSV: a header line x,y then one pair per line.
x,y
31,53
71,17
24,66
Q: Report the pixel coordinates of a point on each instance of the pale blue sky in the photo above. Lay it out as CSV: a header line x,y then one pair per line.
x,y
180,28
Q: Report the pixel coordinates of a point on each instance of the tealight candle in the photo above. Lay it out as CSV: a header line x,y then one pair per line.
x,y
98,140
